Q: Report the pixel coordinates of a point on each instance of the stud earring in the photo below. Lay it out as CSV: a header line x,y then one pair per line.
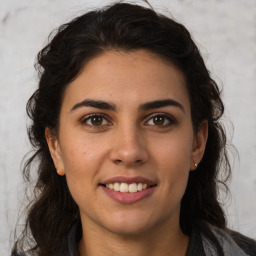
x,y
61,172
195,165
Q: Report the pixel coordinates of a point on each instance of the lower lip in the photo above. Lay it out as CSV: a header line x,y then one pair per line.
x,y
128,198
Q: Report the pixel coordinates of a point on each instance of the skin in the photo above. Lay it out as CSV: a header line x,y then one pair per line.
x,y
128,141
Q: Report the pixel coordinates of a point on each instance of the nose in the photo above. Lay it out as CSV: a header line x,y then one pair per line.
x,y
128,148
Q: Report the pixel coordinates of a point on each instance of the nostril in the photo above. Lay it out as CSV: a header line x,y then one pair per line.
x,y
128,152
117,161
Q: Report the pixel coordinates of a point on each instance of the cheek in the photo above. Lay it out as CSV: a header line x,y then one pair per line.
x,y
79,156
174,152
173,162
81,163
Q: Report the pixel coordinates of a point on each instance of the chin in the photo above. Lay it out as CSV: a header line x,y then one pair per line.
x,y
129,225
128,230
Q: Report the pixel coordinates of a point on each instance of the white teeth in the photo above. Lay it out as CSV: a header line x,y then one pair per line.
x,y
125,187
133,188
117,186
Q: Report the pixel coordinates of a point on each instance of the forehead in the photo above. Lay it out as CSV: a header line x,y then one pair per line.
x,y
126,78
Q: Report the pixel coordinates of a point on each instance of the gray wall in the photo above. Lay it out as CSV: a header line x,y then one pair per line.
x,y
226,34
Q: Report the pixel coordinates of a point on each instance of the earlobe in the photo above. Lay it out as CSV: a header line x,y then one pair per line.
x,y
55,151
199,145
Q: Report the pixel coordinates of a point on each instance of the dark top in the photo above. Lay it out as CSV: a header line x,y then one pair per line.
x,y
195,246
246,246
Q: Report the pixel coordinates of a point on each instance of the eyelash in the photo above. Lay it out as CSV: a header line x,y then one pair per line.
x,y
170,120
91,116
167,118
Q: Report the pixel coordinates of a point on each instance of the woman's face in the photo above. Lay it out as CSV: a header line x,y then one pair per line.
x,y
125,124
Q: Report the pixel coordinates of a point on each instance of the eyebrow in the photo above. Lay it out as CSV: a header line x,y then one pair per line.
x,y
144,107
95,104
160,104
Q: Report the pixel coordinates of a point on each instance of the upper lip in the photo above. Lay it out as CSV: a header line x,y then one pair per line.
x,y
129,180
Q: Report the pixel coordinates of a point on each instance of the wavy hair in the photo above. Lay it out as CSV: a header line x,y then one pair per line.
x,y
122,27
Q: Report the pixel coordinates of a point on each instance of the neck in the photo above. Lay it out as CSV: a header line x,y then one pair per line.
x,y
153,242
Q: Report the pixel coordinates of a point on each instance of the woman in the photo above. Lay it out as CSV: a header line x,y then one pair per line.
x,y
125,124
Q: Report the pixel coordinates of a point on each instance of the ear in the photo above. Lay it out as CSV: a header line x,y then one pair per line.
x,y
55,151
199,145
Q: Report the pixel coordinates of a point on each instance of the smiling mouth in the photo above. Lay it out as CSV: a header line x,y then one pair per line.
x,y
127,188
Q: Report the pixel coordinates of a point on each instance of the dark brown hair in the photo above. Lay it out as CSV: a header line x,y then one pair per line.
x,y
122,27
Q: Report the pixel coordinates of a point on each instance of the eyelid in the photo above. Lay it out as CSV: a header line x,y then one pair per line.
x,y
84,119
172,120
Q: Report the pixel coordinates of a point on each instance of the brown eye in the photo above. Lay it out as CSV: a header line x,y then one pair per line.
x,y
162,120
158,120
95,120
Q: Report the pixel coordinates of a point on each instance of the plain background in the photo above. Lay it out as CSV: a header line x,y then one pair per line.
x,y
225,32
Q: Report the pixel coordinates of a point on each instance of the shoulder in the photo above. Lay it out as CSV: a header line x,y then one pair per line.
x,y
247,244
228,241
232,241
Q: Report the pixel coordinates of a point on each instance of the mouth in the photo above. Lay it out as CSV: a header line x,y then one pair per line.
x,y
128,190
124,187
